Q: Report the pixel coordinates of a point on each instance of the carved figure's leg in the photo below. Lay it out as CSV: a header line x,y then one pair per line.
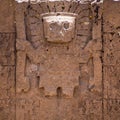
x,y
22,83
97,71
68,92
50,91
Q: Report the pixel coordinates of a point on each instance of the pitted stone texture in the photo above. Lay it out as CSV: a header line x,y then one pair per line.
x,y
7,88
111,51
7,13
111,109
7,109
52,109
111,63
7,60
7,55
59,71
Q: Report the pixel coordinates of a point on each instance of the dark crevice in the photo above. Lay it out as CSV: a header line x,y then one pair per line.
x,y
48,8
59,92
102,60
15,58
76,92
69,8
41,8
76,7
96,10
27,29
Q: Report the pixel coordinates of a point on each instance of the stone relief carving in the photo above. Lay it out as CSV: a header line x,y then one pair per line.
x,y
34,54
52,66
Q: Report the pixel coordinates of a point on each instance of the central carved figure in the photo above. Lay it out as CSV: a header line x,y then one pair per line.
x,y
55,51
55,66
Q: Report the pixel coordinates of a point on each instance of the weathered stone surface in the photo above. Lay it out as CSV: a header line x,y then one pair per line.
x,y
7,60
112,109
7,83
111,61
7,52
111,52
7,16
7,109
72,76
60,109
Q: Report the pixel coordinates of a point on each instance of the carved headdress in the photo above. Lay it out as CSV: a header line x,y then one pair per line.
x,y
59,26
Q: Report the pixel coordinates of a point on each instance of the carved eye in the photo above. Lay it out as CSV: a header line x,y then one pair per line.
x,y
53,26
66,25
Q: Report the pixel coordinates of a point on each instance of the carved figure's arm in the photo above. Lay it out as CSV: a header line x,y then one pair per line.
x,y
24,49
24,45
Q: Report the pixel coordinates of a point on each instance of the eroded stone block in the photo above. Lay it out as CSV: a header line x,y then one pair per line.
x,y
112,109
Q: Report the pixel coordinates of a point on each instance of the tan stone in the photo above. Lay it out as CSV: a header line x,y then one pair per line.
x,y
71,77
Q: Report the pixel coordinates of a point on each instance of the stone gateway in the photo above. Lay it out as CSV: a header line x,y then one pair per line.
x,y
59,60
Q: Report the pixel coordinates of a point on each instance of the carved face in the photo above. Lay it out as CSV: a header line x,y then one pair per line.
x,y
59,28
